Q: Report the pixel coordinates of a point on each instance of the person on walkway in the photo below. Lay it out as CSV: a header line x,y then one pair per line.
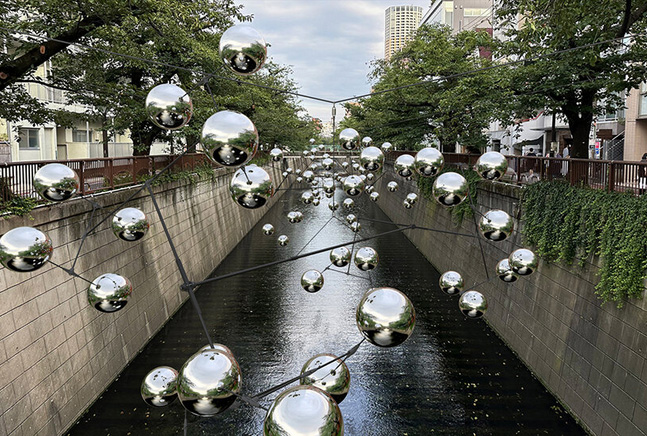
x,y
642,175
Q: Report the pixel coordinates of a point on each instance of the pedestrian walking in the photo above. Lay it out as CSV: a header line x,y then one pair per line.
x,y
642,175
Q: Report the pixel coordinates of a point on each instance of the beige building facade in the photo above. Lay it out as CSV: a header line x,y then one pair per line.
x,y
400,22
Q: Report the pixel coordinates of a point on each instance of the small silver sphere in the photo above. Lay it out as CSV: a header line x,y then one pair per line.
x,y
450,189
308,175
371,159
284,174
504,272
312,280
356,226
327,164
344,165
349,139
297,171
304,411
306,153
325,156
329,185
312,141
307,197
428,162
491,165
289,170
367,141
321,146
411,198
243,50
268,229
56,182
370,177
403,165
299,179
293,217
348,203
386,147
25,249
169,107
362,176
392,186
208,382
355,166
369,189
316,202
451,283
158,388
229,138
334,379
386,317
333,205
283,240
374,196
276,154
109,292
130,224
523,261
350,218
407,205
251,187
473,304
340,256
353,185
496,225
366,258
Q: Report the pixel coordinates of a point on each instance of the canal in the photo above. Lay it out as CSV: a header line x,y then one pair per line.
x,y
453,376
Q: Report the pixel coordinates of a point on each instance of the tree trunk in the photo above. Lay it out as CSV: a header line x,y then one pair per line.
x,y
105,142
579,122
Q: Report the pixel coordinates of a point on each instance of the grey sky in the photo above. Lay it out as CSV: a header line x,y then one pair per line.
x,y
328,43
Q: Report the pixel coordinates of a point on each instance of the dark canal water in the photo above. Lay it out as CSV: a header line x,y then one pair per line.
x,y
453,376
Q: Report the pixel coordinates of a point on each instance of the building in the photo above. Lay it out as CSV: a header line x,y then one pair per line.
x,y
460,14
399,24
634,142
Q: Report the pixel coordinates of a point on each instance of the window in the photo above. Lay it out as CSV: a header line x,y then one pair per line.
x,y
80,135
642,110
29,139
474,12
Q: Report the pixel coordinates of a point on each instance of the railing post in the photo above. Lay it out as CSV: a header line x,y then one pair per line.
x,y
133,169
82,176
111,173
611,176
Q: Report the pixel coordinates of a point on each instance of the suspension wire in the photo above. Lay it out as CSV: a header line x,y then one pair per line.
x,y
95,207
70,272
315,235
349,274
476,227
468,235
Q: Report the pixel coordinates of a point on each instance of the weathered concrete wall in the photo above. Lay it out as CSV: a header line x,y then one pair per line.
x,y
57,353
591,357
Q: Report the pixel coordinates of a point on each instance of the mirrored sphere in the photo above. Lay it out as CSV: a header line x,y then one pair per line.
x,y
329,185
242,49
229,138
355,166
412,197
325,156
299,179
348,203
473,304
496,225
374,196
353,185
366,258
321,146
367,141
316,202
251,187
289,170
350,218
306,153
284,174
369,189
312,280
407,205
333,205
293,217
349,139
25,249
307,197
371,158
340,256
334,379
327,164
276,154
207,382
450,189
268,229
283,240
370,177
312,141
168,106
385,316
158,388
523,261
308,175
356,226
403,165
304,411
130,224
428,162
386,147
491,165
362,176
504,272
56,182
451,283
109,292
297,171
344,165
392,186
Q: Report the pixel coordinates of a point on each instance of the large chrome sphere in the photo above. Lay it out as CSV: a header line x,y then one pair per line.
x,y
242,49
385,316
251,187
307,197
312,280
130,224
159,386
374,196
403,165
217,347
491,165
367,141
309,176
168,106
451,283
109,292
504,272
229,138
333,205
348,203
327,164
25,249
428,162
340,256
349,139
523,261
328,185
334,379
56,182
208,381
496,225
392,186
473,304
411,198
450,189
268,229
366,258
371,158
353,185
276,154
386,147
355,226
283,240
350,218
304,411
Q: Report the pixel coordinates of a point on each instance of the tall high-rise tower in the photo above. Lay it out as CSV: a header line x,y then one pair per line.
x,y
399,24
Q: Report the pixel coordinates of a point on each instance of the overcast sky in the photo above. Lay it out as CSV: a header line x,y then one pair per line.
x,y
328,43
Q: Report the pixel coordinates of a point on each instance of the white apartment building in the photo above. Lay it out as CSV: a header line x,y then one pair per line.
x,y
399,24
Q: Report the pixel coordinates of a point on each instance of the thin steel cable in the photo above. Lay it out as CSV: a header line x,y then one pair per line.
x,y
468,235
70,272
315,235
476,227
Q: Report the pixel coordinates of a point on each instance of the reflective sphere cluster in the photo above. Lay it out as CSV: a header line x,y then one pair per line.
x,y
496,225
450,189
473,304
366,258
504,272
491,165
385,316
251,187
130,224
312,281
25,249
242,49
229,138
159,387
334,379
451,283
109,292
404,165
428,162
56,182
349,139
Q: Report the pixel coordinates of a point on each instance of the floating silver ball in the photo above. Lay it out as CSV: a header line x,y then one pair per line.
x,y
304,411
523,261
334,379
297,171
344,165
130,224
362,176
355,166
407,205
449,189
392,186
25,249
333,205
386,147
307,197
327,164
321,146
504,272
451,283
366,258
312,280
340,256
284,174
428,162
374,196
158,388
403,165
496,225
243,50
293,217
356,226
276,154
308,175
109,292
473,304
56,182
325,156
299,179
350,218
329,185
169,107
229,138
283,240
491,165
369,189
348,203
353,185
289,170
349,139
385,316
268,229
371,159
208,382
312,141
370,177
411,198
367,141
251,187
316,202
305,153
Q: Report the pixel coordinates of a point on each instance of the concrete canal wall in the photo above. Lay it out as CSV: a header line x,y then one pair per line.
x,y
57,353
592,357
